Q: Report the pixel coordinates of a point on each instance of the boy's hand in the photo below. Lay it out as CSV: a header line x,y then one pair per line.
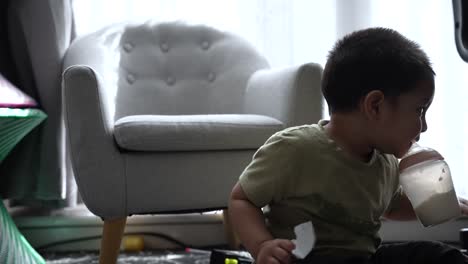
x,y
463,205
276,251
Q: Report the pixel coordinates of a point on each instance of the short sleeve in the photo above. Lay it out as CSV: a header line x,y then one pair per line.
x,y
265,179
397,189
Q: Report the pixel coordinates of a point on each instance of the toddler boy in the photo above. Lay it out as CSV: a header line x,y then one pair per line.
x,y
342,174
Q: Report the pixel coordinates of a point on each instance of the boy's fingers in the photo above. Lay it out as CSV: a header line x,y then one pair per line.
x,y
283,251
283,255
270,260
287,245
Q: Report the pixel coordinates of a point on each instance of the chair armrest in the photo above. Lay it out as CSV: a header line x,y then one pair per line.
x,y
291,95
97,163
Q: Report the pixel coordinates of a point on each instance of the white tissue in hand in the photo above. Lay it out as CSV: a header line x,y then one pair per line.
x,y
305,239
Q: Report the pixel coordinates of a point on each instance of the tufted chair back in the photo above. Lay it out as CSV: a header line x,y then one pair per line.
x,y
183,69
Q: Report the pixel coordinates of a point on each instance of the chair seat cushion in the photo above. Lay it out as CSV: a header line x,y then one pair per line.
x,y
194,132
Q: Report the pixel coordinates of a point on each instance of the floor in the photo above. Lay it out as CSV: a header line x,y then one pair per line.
x,y
154,257
55,234
72,235
76,229
188,256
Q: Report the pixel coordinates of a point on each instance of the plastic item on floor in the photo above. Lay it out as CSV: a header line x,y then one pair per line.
x,y
133,243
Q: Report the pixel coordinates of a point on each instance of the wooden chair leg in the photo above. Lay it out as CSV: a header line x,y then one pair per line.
x,y
112,233
231,237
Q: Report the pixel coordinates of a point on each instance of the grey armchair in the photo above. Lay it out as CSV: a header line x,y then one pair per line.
x,y
163,118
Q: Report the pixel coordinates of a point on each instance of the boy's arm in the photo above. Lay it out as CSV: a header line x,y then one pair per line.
x,y
403,211
249,224
248,221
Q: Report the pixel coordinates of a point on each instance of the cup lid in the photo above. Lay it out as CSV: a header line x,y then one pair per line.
x,y
417,154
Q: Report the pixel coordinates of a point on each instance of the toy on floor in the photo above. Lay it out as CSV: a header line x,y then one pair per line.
x,y
219,256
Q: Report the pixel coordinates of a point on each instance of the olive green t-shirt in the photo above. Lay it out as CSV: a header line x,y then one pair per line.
x,y
301,175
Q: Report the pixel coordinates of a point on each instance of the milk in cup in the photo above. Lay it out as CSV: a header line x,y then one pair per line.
x,y
429,187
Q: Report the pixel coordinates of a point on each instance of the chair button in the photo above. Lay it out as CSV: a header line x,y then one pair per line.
x,y
211,77
205,45
164,47
128,47
170,80
130,78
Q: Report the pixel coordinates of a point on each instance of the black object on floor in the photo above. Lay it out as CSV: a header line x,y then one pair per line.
x,y
219,256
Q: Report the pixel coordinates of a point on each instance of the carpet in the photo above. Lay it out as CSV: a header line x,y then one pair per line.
x,y
152,257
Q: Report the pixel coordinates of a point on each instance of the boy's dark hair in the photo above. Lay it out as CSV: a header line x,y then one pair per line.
x,y
372,59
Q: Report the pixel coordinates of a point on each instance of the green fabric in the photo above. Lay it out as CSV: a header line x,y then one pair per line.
x,y
14,248
302,175
14,125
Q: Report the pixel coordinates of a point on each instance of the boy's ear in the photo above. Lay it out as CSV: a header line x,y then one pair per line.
x,y
372,103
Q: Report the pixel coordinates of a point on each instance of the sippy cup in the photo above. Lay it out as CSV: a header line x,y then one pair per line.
x,y
428,184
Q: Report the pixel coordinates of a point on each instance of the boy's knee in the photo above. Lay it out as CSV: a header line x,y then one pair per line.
x,y
420,252
437,252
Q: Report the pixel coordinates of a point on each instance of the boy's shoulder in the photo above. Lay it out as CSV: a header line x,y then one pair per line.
x,y
299,134
314,138
300,130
